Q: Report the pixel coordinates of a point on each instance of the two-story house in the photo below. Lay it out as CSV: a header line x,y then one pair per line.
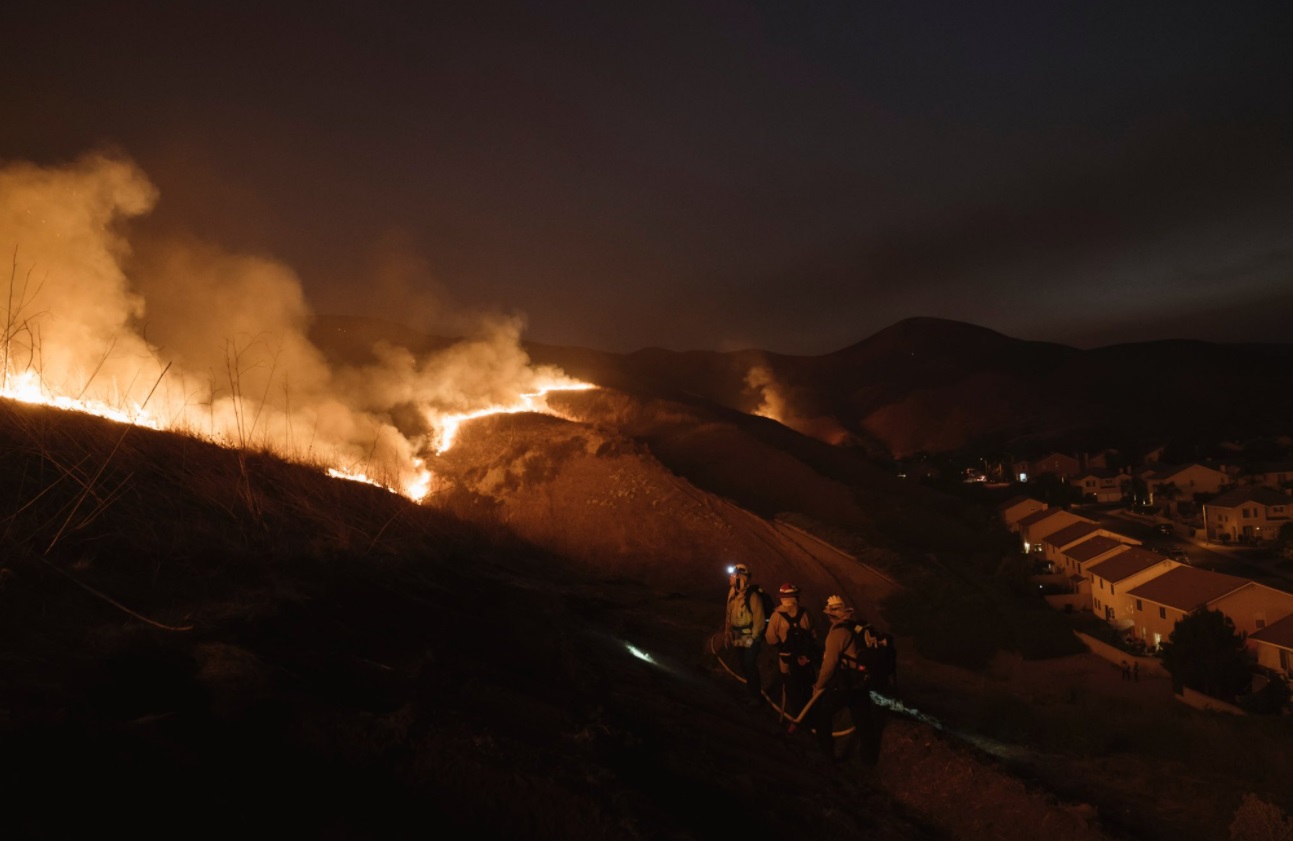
x,y
1112,578
1248,513
1277,475
1058,464
1185,481
1016,508
1161,602
1101,484
1055,544
1255,607
1078,558
1041,523
1273,646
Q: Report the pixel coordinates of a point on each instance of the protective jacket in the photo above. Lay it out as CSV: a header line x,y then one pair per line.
x,y
779,629
843,648
745,618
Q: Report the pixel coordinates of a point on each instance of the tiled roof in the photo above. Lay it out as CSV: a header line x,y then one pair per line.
x,y
1186,588
1259,494
1093,547
1070,533
1169,472
1037,516
1126,564
1279,633
1017,500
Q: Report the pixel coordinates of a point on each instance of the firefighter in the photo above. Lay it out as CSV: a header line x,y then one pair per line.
x,y
745,624
790,629
843,682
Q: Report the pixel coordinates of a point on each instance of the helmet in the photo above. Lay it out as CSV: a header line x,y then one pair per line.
x,y
836,607
789,591
739,569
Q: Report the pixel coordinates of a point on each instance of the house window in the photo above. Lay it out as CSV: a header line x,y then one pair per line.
x,y
1139,607
1286,661
1162,613
1111,590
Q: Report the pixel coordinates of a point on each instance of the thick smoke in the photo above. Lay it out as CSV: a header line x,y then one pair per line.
x,y
231,327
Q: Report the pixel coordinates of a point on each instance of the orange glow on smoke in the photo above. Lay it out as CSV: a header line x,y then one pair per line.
x,y
227,354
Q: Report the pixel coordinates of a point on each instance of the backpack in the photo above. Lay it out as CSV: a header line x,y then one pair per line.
x,y
799,641
876,658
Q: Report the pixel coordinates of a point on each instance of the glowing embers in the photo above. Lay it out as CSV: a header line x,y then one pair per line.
x,y
28,388
535,401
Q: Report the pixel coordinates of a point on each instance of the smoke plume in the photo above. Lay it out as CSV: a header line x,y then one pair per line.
x,y
216,343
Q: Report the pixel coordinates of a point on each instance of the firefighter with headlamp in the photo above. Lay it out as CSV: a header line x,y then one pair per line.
x,y
744,628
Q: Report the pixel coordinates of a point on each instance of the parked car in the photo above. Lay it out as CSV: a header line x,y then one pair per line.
x,y
1179,555
1165,528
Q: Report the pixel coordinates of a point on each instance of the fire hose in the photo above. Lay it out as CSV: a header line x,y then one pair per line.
x,y
782,715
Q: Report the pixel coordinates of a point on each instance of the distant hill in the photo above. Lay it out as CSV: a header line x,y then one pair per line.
x,y
935,385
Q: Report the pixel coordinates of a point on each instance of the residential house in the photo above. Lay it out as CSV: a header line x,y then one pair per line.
x,y
1161,602
1101,484
1187,479
1041,523
1255,607
1076,559
1016,508
1112,578
1277,475
1273,646
1055,543
1104,459
1248,514
1059,464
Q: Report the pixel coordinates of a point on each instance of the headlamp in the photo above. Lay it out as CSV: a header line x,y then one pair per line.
x,y
731,570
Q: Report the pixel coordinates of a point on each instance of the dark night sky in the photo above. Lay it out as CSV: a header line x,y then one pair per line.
x,y
792,176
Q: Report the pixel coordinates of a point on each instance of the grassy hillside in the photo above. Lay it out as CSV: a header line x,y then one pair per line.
x,y
228,643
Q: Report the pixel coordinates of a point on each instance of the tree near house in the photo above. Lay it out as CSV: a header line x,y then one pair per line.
x,y
1284,541
1207,654
1137,491
1169,492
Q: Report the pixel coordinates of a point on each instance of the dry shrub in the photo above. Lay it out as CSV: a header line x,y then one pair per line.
x,y
1257,820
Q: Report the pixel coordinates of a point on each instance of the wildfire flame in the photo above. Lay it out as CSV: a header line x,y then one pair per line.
x,y
534,401
226,356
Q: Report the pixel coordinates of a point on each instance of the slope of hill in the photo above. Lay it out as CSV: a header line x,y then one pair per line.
x,y
215,642
933,385
214,627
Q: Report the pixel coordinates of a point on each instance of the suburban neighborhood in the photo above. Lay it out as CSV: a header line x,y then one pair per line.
x,y
1089,550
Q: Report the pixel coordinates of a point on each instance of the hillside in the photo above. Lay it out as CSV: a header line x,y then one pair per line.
x,y
261,648
933,385
206,625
